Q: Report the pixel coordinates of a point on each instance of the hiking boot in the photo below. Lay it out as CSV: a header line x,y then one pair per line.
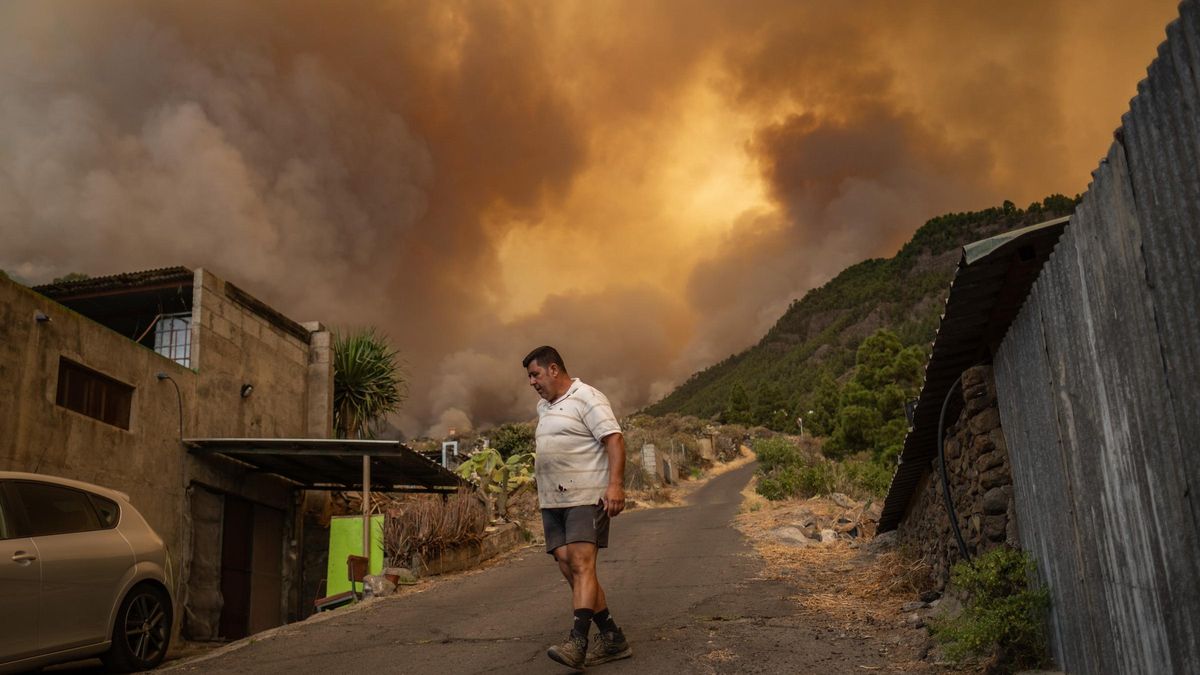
x,y
570,653
609,646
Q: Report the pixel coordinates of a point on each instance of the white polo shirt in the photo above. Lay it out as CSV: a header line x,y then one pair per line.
x,y
571,465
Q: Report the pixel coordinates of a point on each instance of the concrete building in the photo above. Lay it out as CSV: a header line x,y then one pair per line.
x,y
101,379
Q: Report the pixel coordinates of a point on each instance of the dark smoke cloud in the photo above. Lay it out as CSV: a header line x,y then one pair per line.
x,y
645,185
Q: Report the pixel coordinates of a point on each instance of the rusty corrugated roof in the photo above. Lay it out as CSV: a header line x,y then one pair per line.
x,y
116,283
990,285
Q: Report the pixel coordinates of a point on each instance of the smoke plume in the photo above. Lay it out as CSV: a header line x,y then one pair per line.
x,y
644,185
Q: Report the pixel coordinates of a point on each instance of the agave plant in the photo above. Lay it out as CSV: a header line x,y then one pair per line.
x,y
368,383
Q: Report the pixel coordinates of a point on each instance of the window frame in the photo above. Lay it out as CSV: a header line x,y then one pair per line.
x,y
25,528
96,499
122,393
8,517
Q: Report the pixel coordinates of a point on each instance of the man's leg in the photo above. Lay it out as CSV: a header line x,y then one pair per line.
x,y
564,566
560,557
588,599
585,587
573,561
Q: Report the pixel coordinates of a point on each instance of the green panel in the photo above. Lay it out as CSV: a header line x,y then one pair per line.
x,y
345,539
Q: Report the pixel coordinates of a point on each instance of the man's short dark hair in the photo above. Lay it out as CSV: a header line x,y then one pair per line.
x,y
544,355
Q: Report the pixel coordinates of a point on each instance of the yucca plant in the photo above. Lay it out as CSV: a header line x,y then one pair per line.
x,y
368,382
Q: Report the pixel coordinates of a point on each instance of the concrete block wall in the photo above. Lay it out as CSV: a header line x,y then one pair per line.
x,y
146,461
233,343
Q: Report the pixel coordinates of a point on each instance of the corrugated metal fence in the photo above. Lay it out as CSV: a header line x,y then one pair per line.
x,y
1099,385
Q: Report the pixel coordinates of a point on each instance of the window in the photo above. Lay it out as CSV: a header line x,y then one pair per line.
x,y
7,526
90,393
53,509
173,337
107,509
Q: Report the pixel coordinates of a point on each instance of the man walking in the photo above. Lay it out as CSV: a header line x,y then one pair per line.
x,y
580,474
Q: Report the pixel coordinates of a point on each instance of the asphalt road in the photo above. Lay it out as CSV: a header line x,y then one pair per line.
x,y
680,581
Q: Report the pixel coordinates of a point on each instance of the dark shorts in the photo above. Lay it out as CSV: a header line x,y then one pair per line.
x,y
575,523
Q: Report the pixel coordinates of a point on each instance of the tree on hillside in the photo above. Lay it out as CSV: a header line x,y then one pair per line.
x,y
513,439
737,407
822,420
870,413
368,383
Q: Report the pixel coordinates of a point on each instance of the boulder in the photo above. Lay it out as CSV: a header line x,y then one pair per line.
x,y
828,536
842,500
792,536
884,541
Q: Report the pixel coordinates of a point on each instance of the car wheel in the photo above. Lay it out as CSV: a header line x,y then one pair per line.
x,y
141,632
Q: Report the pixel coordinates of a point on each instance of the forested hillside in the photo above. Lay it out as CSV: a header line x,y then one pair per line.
x,y
805,360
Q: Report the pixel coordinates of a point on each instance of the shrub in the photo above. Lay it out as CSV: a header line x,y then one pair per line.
x,y
789,470
1004,615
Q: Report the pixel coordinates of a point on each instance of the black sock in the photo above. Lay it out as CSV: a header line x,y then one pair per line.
x,y
583,621
604,621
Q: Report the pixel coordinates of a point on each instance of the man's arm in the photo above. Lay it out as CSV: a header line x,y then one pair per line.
x,y
614,496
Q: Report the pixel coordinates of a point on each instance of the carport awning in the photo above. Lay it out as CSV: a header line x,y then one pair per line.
x,y
333,463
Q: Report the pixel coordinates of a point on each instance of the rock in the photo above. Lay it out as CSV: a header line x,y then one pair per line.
x,y
842,500
985,421
925,650
995,477
983,446
914,620
951,449
400,575
828,536
883,541
995,527
997,437
975,376
1012,535
931,597
949,606
913,606
995,500
873,511
792,536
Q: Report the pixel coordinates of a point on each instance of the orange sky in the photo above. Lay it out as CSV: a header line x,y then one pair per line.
x,y
645,185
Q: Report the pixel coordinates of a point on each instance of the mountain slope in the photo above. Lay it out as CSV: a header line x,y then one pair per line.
x,y
817,336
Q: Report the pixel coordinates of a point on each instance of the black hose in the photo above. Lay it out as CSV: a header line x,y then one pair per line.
x,y
962,545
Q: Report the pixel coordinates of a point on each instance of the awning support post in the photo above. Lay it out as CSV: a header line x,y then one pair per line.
x,y
367,510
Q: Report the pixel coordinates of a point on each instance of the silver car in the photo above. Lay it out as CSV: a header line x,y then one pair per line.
x,y
81,575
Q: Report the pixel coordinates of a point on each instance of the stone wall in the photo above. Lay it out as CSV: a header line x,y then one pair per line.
x,y
980,485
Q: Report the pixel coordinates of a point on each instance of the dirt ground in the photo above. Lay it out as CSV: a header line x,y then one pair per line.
x,y
851,589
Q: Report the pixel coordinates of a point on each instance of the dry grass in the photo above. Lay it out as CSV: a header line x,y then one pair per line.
x,y
427,525
847,584
721,655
